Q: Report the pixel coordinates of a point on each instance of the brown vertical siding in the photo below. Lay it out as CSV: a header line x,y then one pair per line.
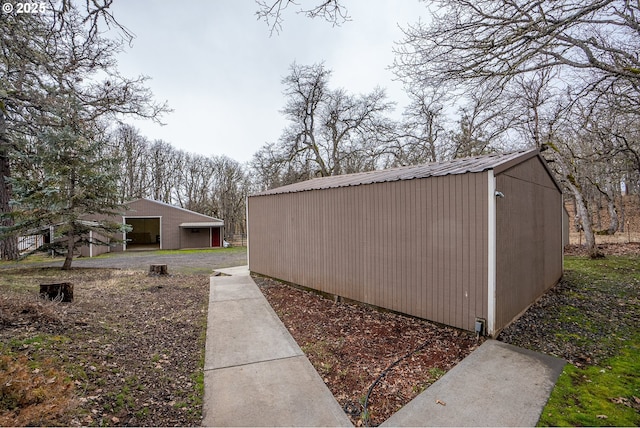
x,y
528,238
171,218
96,250
191,239
413,246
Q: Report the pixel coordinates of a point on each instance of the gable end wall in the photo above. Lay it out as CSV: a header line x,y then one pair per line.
x,y
528,238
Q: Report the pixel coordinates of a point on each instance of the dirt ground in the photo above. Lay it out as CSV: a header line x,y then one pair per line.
x,y
127,351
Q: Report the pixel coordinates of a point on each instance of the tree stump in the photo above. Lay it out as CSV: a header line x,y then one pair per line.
x,y
158,270
58,290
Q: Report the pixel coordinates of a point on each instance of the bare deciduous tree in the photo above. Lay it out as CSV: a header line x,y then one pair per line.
x,y
422,129
231,186
271,12
497,40
331,132
132,149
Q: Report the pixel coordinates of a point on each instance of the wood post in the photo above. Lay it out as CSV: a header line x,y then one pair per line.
x,y
63,290
158,270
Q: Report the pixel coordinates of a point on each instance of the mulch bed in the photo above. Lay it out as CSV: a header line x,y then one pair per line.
x,y
352,347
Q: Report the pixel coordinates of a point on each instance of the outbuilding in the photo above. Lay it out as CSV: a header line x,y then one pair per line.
x,y
469,243
158,225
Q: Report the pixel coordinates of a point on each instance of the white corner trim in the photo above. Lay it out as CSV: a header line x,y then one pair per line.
x,y
491,255
124,234
246,219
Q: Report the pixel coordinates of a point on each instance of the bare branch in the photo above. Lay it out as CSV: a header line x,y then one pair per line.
x,y
332,11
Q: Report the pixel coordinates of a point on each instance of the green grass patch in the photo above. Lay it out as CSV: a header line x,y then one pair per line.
x,y
604,395
230,250
25,279
41,257
36,342
603,318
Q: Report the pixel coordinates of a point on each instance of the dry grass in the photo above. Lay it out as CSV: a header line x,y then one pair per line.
x,y
576,238
631,224
33,396
127,351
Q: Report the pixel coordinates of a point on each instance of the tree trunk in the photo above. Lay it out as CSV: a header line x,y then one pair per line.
x,y
581,207
598,213
613,216
69,258
60,290
609,194
585,219
8,245
622,214
158,270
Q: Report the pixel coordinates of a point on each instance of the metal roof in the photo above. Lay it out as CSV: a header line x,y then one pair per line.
x,y
172,206
496,162
201,224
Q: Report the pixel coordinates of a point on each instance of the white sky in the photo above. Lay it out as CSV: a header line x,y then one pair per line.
x,y
221,72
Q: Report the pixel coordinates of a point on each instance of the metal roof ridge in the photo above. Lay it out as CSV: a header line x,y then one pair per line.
x,y
173,206
473,164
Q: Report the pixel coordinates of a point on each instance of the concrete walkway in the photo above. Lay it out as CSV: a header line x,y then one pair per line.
x,y
256,375
497,385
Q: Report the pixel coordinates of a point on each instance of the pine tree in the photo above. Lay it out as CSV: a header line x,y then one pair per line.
x,y
71,186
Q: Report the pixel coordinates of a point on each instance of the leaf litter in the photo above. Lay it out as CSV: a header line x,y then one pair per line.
x,y
353,347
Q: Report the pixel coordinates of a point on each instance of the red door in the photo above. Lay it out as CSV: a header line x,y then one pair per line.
x,y
215,237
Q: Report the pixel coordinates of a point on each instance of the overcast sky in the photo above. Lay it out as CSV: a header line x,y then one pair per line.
x,y
221,71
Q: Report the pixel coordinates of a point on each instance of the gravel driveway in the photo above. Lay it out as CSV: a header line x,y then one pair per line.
x,y
187,262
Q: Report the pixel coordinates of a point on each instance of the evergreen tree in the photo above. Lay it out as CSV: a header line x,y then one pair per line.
x,y
71,186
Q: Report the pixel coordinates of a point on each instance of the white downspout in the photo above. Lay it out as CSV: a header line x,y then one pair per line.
x,y
491,255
